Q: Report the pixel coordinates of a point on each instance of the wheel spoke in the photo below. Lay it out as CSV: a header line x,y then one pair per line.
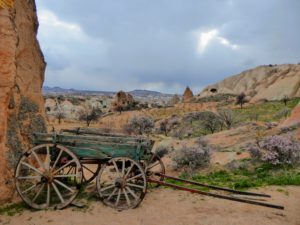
x,y
118,198
39,192
28,177
123,167
112,194
31,167
65,175
48,156
132,193
128,171
135,185
64,166
116,167
127,198
58,193
38,160
58,157
132,178
63,185
48,194
107,188
29,189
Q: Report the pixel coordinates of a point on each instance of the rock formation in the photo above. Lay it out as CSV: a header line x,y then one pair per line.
x,y
22,74
271,82
187,95
122,101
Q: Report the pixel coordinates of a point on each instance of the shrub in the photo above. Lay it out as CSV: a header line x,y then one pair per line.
x,y
167,125
227,117
255,152
277,150
140,125
209,121
192,157
201,141
241,99
161,150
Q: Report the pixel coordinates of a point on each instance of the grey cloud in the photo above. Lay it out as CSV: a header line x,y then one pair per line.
x,y
134,43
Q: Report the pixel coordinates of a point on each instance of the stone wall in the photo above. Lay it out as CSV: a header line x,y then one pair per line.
x,y
22,69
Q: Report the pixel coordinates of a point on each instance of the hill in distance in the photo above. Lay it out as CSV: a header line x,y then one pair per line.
x,y
136,93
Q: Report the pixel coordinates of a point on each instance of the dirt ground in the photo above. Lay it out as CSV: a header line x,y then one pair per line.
x,y
170,207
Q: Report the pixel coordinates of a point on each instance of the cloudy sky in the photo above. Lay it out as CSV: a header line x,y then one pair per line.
x,y
163,45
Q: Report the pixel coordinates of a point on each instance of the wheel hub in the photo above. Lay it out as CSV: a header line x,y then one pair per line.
x,y
48,177
120,183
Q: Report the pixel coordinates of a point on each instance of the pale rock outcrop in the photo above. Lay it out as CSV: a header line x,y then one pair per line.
x,y
271,82
21,77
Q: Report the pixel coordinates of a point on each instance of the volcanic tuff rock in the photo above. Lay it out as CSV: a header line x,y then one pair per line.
x,y
187,95
22,69
122,101
271,82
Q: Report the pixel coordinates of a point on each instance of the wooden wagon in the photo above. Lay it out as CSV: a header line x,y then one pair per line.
x,y
51,174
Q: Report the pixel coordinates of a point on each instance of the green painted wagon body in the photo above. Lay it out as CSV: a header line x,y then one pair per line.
x,y
94,145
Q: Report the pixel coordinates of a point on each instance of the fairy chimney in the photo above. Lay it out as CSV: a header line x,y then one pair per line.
x,y
188,95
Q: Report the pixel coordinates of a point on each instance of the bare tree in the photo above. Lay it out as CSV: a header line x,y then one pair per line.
x,y
163,127
227,117
285,100
60,115
211,122
241,99
89,114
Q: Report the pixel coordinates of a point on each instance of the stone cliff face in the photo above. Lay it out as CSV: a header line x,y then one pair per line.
x,y
264,82
22,69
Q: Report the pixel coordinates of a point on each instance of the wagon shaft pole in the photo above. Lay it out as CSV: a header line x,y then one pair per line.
x,y
216,195
216,187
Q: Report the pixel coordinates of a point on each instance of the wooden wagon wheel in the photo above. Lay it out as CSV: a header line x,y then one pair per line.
x,y
122,183
42,180
154,167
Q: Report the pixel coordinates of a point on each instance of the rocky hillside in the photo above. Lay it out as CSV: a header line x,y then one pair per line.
x,y
271,82
21,77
